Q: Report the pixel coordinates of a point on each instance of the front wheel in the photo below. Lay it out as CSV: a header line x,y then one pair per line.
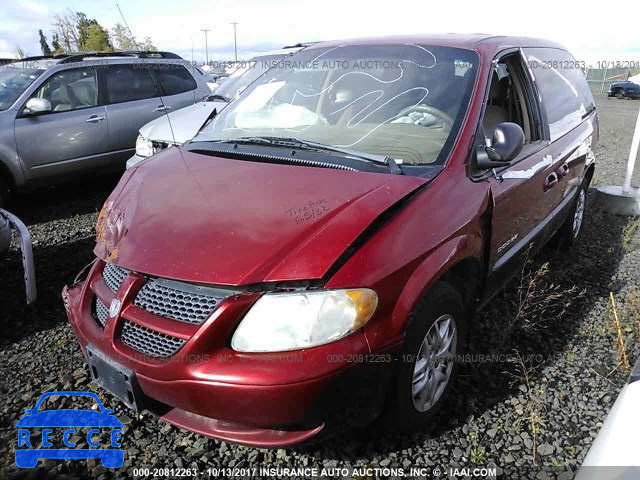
x,y
428,360
568,233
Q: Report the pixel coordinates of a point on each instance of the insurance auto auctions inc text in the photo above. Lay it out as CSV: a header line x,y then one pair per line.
x,y
351,472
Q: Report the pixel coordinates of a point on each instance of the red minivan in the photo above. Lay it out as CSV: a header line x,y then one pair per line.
x,y
313,257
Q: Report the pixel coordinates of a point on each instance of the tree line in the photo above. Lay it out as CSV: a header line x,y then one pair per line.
x,y
75,32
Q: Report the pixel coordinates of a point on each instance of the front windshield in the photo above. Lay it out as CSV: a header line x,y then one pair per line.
x,y
405,102
244,76
14,81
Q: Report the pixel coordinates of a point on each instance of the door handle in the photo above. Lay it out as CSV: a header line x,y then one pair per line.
x,y
94,119
162,108
550,181
562,170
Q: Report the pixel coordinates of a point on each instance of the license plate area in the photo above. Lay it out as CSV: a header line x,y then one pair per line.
x,y
114,378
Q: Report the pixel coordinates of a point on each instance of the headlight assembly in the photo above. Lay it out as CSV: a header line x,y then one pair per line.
x,y
294,320
144,147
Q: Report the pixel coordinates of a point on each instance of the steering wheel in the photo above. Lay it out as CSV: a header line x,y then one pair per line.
x,y
431,116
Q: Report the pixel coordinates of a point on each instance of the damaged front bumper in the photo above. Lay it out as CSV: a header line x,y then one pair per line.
x,y
261,399
7,222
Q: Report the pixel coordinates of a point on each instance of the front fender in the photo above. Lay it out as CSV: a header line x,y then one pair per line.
x,y
434,266
9,158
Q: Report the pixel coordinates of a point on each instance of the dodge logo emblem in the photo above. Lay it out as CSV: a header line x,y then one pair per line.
x,y
114,309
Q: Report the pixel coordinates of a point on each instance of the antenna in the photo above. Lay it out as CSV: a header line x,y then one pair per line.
x,y
127,25
157,87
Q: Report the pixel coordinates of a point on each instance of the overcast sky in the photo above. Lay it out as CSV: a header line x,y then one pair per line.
x,y
590,33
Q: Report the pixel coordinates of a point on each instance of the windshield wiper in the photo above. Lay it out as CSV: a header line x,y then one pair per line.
x,y
292,142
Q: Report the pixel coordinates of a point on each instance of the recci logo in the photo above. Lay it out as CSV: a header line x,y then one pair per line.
x,y
103,435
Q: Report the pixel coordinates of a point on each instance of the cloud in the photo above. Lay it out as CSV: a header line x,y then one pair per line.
x,y
264,26
20,25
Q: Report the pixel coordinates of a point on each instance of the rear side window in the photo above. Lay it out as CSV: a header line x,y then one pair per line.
x,y
563,87
174,79
126,83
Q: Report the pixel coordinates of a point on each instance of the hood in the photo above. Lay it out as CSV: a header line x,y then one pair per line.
x,y
200,218
185,123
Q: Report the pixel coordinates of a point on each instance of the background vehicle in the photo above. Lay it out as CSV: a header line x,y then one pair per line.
x,y
8,222
209,78
178,127
333,229
66,115
625,89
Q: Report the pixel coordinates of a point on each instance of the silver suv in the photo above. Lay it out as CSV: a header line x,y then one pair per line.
x,y
70,114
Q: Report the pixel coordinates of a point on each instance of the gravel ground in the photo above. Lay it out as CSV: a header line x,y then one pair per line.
x,y
540,378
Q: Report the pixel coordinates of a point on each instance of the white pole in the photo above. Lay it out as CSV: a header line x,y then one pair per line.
x,y
633,153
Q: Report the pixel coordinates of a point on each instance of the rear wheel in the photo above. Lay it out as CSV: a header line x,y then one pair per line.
x,y
428,365
619,93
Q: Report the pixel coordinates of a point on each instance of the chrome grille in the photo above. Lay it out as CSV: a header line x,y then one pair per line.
x,y
150,342
114,276
101,312
179,301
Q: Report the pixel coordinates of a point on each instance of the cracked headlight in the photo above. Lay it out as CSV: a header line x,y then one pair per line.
x,y
294,320
144,147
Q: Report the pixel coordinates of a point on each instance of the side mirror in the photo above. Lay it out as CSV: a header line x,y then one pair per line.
x,y
29,411
508,140
35,106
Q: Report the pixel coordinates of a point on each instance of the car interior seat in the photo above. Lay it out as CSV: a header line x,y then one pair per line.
x,y
86,92
353,98
60,98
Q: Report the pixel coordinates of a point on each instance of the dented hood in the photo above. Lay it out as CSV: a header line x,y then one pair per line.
x,y
199,218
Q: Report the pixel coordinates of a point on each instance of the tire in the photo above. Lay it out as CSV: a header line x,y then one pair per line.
x,y
5,192
5,237
619,93
569,232
442,309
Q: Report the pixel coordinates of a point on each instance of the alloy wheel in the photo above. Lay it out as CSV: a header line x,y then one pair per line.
x,y
434,363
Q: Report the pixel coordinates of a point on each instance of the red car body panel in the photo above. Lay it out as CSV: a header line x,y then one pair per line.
x,y
244,222
253,227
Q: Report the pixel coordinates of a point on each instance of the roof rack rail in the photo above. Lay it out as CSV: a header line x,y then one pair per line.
x,y
78,57
301,45
55,56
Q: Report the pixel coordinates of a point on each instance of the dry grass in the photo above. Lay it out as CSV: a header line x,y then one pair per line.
x,y
623,361
539,298
634,311
534,416
628,234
